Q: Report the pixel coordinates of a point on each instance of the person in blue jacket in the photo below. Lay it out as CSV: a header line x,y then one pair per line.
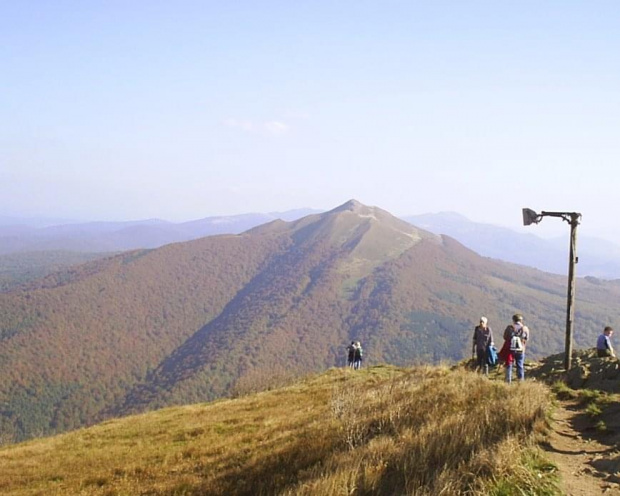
x,y
603,343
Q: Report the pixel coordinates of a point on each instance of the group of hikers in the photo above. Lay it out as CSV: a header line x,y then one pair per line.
x,y
354,355
512,352
484,353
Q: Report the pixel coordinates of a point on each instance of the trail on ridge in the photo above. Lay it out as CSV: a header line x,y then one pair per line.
x,y
588,462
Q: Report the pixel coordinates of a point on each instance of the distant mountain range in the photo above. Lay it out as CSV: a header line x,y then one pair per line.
x,y
191,321
597,257
30,235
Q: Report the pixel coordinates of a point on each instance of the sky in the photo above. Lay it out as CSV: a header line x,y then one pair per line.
x,y
126,110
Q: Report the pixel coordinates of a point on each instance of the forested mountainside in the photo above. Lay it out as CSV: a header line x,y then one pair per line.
x,y
19,268
72,343
191,321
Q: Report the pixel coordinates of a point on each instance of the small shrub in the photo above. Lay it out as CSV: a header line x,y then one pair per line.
x,y
347,407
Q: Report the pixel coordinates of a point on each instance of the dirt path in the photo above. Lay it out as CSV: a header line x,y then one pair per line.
x,y
588,462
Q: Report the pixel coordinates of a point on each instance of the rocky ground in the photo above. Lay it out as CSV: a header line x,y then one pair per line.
x,y
587,371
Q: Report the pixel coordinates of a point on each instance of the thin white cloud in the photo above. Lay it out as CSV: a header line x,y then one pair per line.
x,y
275,128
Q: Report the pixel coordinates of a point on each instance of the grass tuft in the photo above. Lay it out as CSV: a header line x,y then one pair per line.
x,y
563,392
601,426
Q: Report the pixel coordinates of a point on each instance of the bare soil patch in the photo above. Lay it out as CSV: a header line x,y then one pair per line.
x,y
588,462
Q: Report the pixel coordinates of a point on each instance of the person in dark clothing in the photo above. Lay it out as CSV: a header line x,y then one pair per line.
x,y
483,338
351,354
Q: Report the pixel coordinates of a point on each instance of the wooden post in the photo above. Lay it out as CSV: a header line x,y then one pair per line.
x,y
570,306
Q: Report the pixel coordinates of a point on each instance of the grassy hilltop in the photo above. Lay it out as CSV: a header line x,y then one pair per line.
x,y
383,430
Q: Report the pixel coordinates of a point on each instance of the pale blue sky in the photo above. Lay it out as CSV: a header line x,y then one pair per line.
x,y
180,110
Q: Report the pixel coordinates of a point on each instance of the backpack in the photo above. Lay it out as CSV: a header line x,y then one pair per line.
x,y
516,344
492,358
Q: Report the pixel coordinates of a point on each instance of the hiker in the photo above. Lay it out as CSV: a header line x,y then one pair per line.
x,y
513,351
357,363
603,343
351,354
483,339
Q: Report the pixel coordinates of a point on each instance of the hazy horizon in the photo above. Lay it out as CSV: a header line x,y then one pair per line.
x,y
42,221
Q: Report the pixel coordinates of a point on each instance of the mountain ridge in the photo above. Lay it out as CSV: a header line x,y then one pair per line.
x,y
598,257
318,243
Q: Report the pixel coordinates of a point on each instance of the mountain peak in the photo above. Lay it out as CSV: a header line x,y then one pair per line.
x,y
351,206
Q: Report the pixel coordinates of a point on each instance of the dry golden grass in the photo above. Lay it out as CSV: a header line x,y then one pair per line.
x,y
421,431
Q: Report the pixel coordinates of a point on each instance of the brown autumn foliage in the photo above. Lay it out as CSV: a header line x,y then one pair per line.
x,y
19,268
73,342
